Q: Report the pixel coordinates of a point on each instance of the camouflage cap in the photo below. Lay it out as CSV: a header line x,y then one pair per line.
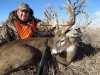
x,y
23,6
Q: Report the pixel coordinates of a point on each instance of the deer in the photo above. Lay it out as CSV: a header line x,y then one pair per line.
x,y
20,53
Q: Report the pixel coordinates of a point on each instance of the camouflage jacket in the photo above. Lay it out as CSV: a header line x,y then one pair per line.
x,y
9,30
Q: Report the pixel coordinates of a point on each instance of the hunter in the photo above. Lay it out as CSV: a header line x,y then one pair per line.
x,y
21,24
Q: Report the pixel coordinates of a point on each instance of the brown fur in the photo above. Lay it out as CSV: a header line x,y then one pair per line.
x,y
20,53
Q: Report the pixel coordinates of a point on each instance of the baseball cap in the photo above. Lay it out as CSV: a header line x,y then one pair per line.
x,y
23,6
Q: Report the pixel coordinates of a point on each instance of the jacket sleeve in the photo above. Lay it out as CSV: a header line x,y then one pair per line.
x,y
3,35
7,33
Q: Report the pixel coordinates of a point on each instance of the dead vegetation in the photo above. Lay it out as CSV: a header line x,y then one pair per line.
x,y
91,36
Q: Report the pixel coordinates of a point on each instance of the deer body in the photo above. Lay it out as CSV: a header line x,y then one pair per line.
x,y
20,53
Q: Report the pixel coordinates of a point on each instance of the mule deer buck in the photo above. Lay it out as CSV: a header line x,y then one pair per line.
x,y
23,53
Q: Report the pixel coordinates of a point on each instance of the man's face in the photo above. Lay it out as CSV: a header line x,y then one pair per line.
x,y
23,15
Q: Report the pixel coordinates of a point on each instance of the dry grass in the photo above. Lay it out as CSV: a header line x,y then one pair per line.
x,y
86,61
88,66
88,55
92,36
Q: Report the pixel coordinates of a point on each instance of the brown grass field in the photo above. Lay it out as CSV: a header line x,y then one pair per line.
x,y
86,61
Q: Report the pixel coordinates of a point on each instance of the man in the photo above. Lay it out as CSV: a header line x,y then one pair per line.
x,y
21,24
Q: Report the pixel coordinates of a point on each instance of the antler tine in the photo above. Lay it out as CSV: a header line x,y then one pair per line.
x,y
49,15
48,18
56,21
71,20
63,21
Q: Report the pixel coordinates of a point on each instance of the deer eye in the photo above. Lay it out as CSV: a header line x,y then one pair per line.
x,y
62,41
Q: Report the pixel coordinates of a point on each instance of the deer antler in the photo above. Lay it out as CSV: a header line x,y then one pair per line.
x,y
71,20
50,15
56,21
68,24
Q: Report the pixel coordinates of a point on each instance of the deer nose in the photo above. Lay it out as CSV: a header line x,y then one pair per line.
x,y
54,52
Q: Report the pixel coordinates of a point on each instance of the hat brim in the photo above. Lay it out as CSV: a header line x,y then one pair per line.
x,y
24,9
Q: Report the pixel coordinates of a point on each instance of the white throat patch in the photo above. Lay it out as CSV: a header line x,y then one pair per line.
x,y
71,49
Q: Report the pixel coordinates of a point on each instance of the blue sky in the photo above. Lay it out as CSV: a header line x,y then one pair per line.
x,y
6,6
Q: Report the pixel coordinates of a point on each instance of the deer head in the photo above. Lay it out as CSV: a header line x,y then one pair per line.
x,y
63,38
64,41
